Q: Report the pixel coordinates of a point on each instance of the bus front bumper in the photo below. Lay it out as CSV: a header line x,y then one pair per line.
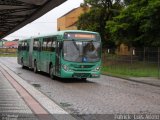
x,y
72,74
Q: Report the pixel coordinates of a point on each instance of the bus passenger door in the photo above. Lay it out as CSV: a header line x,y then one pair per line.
x,y
58,57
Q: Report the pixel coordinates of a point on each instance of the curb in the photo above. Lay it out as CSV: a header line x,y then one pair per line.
x,y
132,80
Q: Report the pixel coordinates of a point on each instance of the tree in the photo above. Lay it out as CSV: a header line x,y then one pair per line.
x,y
89,21
127,2
138,24
95,19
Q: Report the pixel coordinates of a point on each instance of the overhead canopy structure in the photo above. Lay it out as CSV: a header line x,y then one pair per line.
x,y
15,14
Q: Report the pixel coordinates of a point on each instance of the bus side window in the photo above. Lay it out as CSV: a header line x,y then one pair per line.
x,y
35,44
39,46
22,48
49,42
53,46
44,44
24,45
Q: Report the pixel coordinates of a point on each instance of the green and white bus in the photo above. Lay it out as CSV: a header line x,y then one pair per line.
x,y
66,54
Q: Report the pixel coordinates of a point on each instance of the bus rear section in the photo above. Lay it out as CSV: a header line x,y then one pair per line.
x,y
25,48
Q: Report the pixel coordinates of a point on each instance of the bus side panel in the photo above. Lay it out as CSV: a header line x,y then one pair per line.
x,y
52,59
38,55
30,53
35,57
58,58
44,55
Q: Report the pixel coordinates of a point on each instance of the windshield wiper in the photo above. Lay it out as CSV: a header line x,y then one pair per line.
x,y
75,44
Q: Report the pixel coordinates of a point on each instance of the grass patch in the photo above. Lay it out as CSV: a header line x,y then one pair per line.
x,y
131,70
8,55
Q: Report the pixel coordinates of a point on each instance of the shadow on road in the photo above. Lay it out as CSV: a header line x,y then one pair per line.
x,y
73,80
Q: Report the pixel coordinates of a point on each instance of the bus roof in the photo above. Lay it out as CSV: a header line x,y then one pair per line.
x,y
60,33
82,31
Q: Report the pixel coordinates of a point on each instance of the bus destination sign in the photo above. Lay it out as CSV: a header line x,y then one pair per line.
x,y
90,36
80,36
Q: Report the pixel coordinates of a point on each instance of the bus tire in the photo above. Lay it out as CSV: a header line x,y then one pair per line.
x,y
35,67
51,71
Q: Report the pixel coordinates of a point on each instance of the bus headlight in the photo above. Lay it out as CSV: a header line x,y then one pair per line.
x,y
65,67
97,68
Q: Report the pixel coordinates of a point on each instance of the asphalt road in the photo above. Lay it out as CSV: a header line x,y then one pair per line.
x,y
105,95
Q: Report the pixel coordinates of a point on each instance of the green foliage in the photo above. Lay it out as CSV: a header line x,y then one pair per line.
x,y
95,20
99,3
127,2
88,21
138,24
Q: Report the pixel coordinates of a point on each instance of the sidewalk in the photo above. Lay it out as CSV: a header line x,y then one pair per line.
x,y
146,80
12,106
24,102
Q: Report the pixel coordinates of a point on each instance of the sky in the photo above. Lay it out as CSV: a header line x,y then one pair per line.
x,y
45,24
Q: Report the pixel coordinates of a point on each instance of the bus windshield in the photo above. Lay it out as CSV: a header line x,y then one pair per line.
x,y
81,51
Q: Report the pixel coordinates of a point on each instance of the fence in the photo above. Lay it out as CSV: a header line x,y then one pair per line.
x,y
140,62
8,51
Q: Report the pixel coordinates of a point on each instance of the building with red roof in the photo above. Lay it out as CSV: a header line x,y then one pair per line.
x,y
11,44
